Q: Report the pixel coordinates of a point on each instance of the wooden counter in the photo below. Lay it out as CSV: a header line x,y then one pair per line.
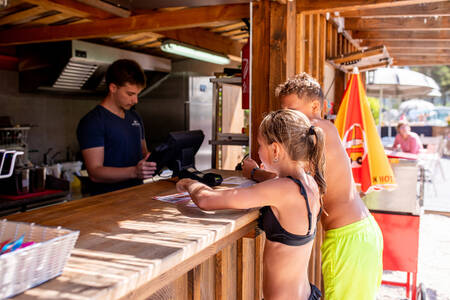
x,y
133,247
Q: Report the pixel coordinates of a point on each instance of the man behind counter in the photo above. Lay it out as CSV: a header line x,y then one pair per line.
x,y
111,136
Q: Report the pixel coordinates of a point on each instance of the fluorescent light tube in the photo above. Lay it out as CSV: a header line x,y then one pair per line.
x,y
178,48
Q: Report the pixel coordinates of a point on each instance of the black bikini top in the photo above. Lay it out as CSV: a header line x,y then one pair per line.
x,y
276,233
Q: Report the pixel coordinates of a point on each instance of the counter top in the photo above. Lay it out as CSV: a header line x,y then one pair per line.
x,y
129,242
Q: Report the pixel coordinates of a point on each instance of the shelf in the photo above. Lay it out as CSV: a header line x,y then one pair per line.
x,y
229,143
228,80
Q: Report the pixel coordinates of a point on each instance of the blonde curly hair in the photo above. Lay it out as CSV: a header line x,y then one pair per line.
x,y
303,85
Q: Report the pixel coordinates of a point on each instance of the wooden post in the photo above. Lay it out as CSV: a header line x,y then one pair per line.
x,y
273,57
260,69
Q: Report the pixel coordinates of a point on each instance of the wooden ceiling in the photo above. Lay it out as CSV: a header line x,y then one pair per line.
x,y
219,28
414,32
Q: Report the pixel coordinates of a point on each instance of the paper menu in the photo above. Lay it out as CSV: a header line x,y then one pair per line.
x,y
175,198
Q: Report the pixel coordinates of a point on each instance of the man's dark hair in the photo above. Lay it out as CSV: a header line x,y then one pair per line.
x,y
124,71
304,86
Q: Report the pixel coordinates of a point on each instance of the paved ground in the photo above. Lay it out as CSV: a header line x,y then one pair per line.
x,y
434,245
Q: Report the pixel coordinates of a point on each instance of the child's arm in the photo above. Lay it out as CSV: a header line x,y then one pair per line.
x,y
241,198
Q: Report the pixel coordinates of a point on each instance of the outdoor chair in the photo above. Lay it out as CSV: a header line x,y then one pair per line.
x,y
430,158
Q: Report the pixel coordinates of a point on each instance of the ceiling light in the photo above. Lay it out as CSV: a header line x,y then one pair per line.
x,y
178,48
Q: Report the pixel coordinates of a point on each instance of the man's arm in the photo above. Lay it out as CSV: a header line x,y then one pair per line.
x,y
94,157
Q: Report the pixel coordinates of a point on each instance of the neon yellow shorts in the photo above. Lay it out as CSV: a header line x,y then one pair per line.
x,y
352,261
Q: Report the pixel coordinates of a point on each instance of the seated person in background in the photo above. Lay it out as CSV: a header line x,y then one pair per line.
x,y
291,204
405,140
111,136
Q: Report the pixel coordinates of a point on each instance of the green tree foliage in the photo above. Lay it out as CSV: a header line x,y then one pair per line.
x,y
374,104
441,74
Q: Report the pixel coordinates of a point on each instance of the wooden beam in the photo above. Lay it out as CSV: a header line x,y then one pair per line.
x,y
228,27
158,21
418,51
50,5
374,66
410,44
358,55
315,46
390,24
205,39
417,10
402,35
73,5
22,15
260,56
417,62
324,6
105,6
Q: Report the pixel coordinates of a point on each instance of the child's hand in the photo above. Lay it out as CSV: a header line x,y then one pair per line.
x,y
183,184
247,166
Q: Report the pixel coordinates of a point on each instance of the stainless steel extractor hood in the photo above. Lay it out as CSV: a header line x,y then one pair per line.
x,y
78,66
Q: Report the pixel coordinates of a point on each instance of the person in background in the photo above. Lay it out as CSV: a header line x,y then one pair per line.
x,y
352,250
291,147
405,140
111,136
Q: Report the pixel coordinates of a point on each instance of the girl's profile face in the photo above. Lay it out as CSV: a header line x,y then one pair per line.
x,y
264,152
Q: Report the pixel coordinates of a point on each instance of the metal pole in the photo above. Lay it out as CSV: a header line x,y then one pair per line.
x,y
380,118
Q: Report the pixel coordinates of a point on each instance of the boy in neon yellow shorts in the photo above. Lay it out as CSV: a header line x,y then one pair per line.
x,y
353,245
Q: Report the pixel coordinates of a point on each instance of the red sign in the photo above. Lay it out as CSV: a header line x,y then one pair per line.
x,y
246,76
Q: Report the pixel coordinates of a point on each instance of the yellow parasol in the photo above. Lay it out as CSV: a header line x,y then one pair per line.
x,y
358,132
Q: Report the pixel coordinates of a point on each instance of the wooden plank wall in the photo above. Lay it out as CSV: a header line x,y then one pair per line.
x,y
234,273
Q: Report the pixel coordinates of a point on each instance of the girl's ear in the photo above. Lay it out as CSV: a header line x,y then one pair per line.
x,y
275,151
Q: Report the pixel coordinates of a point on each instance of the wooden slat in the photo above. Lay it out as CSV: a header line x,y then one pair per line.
x,y
300,50
63,8
240,36
194,279
112,9
233,32
22,15
205,39
374,66
291,38
323,6
143,41
175,290
335,41
228,27
322,47
136,37
410,44
418,10
329,46
246,267
260,100
259,249
315,48
158,21
390,24
356,56
78,7
418,51
417,62
308,43
402,35
48,20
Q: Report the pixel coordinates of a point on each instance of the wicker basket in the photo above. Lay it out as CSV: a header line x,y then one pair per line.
x,y
28,267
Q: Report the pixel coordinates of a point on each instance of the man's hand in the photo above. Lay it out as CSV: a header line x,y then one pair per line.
x,y
247,166
145,169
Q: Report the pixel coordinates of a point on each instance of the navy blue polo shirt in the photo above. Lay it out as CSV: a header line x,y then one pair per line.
x,y
121,139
